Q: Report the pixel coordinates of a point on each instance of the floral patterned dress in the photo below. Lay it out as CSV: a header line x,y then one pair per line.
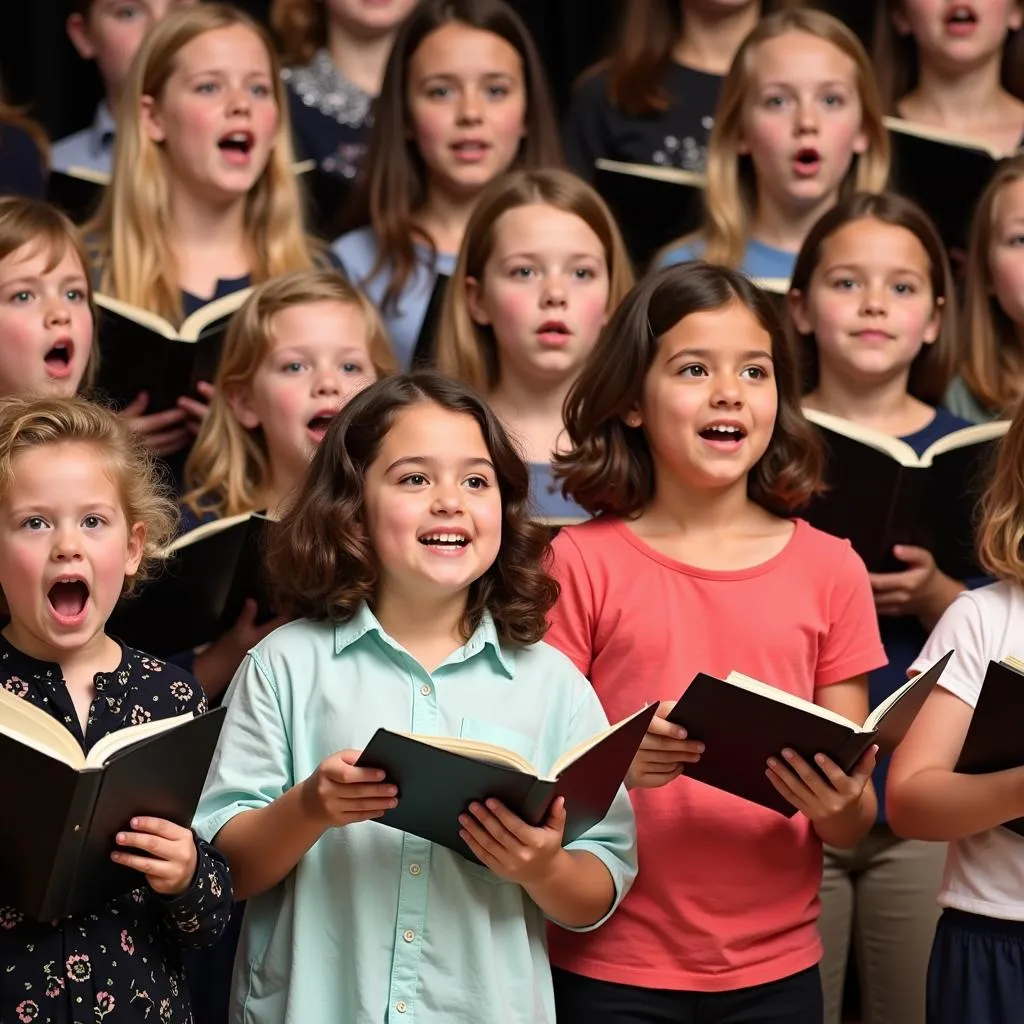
x,y
122,963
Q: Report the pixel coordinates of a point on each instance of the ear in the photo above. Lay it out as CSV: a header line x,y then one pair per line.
x,y
152,122
861,142
1016,19
931,332
633,418
798,312
239,399
78,32
474,295
900,23
136,546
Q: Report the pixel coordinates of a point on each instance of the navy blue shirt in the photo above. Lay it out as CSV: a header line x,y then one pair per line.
x,y
22,168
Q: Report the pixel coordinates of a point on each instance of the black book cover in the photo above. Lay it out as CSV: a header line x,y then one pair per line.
x,y
653,206
424,354
741,728
326,196
77,193
994,740
207,576
436,785
57,826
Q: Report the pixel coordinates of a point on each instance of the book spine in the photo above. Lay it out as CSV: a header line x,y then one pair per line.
x,y
538,801
853,749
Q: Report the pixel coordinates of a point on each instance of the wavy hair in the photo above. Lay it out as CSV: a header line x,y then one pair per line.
x,y
610,468
321,558
392,188
468,350
1001,530
229,464
730,197
933,367
30,423
132,227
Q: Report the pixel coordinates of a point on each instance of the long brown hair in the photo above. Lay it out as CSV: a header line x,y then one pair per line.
x,y
468,350
993,361
610,467
897,65
393,185
933,367
1001,532
321,558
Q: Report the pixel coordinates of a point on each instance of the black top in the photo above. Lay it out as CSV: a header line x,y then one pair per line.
x,y
22,169
123,963
676,137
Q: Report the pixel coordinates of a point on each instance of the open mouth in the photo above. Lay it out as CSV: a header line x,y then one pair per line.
x,y
319,424
58,359
444,540
554,332
961,15
723,432
470,149
68,597
807,160
237,145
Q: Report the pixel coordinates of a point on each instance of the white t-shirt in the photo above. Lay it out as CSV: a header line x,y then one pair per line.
x,y
984,873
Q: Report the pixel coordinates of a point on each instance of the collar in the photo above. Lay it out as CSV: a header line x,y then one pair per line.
x,y
108,684
484,639
103,130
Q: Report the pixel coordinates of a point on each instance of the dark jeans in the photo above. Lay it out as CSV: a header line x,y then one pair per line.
x,y
793,1000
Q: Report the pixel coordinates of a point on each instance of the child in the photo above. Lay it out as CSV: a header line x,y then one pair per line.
x,y
337,52
653,100
798,124
976,971
410,554
541,267
204,200
873,301
689,439
82,518
992,375
108,32
954,66
464,99
46,314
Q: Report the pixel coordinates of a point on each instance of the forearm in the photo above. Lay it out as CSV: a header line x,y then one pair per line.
x,y
938,804
263,846
848,828
578,892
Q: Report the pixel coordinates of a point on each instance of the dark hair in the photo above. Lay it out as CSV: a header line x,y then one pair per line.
x,y
610,468
321,559
934,366
392,187
896,62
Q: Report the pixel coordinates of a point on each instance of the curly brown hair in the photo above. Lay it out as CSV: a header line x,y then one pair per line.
x,y
610,468
321,558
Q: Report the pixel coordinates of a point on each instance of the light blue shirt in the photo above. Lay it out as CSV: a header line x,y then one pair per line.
x,y
374,924
357,254
759,260
547,498
92,147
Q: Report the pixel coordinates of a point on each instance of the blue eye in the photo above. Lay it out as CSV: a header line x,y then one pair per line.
x,y
294,366
439,92
352,368
206,88
498,91
261,91
585,274
21,296
834,100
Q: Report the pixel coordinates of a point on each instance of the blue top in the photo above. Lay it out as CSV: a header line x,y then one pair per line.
x,y
92,147
375,924
225,286
759,260
546,493
357,254
903,636
22,167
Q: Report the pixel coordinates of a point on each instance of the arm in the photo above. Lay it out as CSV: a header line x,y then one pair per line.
x,y
197,918
922,589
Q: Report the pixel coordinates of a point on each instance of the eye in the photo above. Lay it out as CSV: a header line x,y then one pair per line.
x,y
353,368
438,92
414,479
756,373
126,13
522,273
833,99
498,91
293,366
34,523
262,90
774,102
477,483
903,288
1016,240
844,284
75,295
694,370
22,296
91,522
585,273
206,88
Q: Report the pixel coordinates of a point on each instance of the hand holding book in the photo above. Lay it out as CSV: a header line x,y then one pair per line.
x,y
340,793
921,589
822,792
165,853
664,752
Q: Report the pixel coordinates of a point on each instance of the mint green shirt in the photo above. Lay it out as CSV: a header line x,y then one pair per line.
x,y
374,924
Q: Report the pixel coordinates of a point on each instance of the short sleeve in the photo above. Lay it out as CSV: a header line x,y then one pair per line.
x,y
961,628
252,766
571,621
586,127
853,644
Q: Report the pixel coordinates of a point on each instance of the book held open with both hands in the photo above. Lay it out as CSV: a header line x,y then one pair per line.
x,y
62,809
438,777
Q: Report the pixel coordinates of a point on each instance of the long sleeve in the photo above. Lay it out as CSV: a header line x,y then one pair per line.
x,y
198,917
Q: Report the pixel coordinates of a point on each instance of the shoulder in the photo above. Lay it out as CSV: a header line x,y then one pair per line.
x,y
291,648
590,538
961,401
591,90
67,152
166,685
685,252
542,657
356,250
819,555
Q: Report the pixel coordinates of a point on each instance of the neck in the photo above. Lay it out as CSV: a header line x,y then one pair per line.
x,y
786,227
444,217
695,512
531,399
880,403
98,654
954,99
360,60
281,484
710,40
200,224
428,629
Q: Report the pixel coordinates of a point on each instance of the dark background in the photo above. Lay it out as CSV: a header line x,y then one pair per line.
x,y
42,72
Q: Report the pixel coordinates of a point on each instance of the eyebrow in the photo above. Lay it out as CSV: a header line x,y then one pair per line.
x,y
785,83
860,267
429,461
447,76
36,278
539,255
706,353
250,73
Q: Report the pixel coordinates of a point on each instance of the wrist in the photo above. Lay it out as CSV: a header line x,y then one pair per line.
x,y
553,873
309,805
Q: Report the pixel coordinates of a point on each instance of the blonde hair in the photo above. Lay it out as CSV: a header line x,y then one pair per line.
x,y
228,464
1001,533
133,224
30,423
468,350
31,223
731,193
994,360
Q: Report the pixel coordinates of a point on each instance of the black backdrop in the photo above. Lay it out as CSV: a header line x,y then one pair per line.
x,y
41,70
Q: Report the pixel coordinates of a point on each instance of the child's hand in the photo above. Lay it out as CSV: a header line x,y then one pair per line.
x,y
339,794
808,792
169,858
664,752
195,408
164,433
513,850
922,589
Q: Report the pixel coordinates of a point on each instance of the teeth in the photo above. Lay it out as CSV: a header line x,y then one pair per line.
x,y
444,538
722,429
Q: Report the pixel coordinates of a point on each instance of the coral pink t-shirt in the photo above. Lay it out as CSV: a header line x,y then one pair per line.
x,y
727,892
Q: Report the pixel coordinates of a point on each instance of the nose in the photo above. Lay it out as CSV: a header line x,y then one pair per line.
x,y
327,381
554,292
447,498
470,107
806,116
726,392
874,301
66,544
57,311
239,100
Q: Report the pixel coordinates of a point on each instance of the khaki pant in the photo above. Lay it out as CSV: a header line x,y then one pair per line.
x,y
882,894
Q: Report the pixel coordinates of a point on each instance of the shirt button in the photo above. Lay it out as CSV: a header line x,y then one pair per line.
x,y
400,1006
408,935
414,869
425,690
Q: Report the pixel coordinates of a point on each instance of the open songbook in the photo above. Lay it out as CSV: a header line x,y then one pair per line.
x,y
57,825
438,777
743,721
